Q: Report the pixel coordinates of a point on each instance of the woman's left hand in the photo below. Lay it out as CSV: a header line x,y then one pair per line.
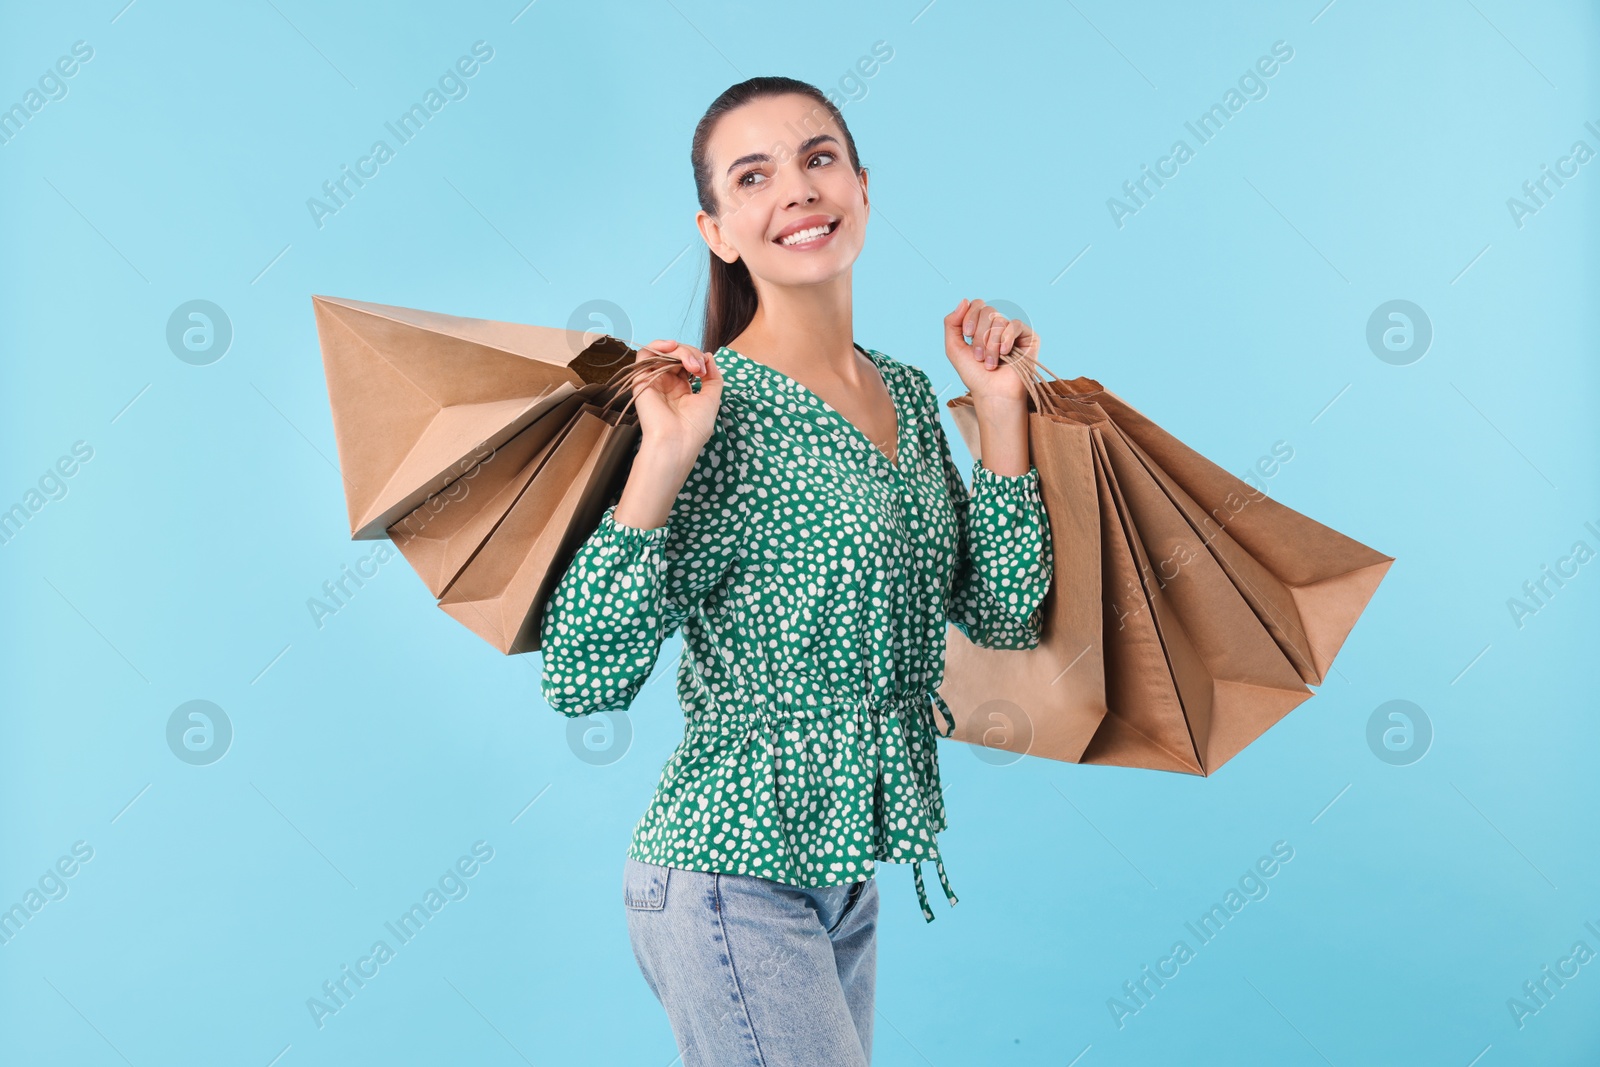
x,y
993,335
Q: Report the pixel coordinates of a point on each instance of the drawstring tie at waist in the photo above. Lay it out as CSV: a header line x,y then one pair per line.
x,y
901,813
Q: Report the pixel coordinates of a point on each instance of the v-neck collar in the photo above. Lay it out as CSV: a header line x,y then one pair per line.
x,y
855,432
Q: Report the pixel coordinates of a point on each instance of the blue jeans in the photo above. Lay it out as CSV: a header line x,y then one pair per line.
x,y
756,973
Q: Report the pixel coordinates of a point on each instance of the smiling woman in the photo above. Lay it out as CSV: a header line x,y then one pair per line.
x,y
795,510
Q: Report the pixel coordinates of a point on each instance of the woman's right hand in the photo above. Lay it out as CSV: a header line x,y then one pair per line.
x,y
674,425
673,419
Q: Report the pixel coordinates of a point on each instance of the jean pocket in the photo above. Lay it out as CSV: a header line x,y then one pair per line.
x,y
856,892
644,885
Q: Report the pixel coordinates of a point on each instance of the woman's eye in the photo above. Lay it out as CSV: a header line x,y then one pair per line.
x,y
745,180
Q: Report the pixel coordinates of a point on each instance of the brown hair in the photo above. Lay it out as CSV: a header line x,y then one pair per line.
x,y
730,293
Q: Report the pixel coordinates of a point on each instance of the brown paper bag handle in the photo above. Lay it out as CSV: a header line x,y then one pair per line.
x,y
649,364
646,367
1043,397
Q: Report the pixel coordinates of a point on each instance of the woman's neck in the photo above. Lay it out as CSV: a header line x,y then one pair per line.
x,y
806,328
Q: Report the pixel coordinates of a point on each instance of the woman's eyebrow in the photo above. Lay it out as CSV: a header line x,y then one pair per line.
x,y
762,157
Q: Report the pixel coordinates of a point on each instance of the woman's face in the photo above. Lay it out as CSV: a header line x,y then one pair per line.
x,y
779,166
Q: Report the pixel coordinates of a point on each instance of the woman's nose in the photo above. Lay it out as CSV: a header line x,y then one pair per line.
x,y
799,190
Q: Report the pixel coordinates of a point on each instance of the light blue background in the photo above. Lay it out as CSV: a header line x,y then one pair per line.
x,y
370,753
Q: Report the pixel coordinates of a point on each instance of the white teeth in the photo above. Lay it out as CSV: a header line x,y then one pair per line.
x,y
805,235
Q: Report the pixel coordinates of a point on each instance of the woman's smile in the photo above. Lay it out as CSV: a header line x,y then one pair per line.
x,y
807,233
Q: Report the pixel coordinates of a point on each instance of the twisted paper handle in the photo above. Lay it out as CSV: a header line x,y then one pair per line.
x,y
1045,399
649,364
646,367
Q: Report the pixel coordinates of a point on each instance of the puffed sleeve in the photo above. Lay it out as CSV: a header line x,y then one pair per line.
x,y
1004,558
628,589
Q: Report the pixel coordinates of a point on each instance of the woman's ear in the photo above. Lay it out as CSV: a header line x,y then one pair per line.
x,y
864,199
711,233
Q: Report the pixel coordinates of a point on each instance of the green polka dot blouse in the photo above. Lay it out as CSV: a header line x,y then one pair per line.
x,y
812,579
